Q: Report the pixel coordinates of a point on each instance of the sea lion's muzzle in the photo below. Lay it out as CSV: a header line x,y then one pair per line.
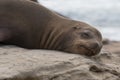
x,y
93,48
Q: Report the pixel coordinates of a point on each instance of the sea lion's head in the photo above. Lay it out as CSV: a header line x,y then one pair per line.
x,y
82,39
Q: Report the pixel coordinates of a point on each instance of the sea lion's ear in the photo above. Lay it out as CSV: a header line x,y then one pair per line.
x,y
77,27
34,0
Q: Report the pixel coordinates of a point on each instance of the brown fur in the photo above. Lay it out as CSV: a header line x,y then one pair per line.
x,y
30,25
34,0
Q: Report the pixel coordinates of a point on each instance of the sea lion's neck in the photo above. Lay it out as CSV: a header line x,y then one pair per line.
x,y
55,33
54,27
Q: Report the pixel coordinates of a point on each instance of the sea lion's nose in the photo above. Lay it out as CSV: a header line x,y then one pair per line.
x,y
95,45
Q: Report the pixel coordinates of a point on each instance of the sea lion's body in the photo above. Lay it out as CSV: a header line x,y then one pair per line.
x,y
28,24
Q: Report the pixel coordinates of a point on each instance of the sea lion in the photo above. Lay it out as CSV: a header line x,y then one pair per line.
x,y
30,25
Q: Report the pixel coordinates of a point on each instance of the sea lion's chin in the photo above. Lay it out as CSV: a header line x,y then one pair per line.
x,y
82,50
88,51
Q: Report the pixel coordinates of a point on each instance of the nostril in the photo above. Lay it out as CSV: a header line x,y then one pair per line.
x,y
95,45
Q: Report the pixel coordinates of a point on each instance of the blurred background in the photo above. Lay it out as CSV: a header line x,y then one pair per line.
x,y
102,14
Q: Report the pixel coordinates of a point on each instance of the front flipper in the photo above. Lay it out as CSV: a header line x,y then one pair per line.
x,y
5,34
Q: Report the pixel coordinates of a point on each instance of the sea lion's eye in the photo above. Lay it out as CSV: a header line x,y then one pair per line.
x,y
86,34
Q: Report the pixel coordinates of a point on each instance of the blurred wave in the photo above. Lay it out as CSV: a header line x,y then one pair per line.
x,y
103,14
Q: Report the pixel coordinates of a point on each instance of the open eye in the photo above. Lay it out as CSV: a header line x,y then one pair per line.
x,y
86,34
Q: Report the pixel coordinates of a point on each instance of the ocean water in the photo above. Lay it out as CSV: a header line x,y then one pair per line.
x,y
102,14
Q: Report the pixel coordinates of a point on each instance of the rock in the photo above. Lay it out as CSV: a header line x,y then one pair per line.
x,y
24,64
113,47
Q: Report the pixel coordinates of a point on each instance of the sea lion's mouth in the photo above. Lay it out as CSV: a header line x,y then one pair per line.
x,y
81,49
90,52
